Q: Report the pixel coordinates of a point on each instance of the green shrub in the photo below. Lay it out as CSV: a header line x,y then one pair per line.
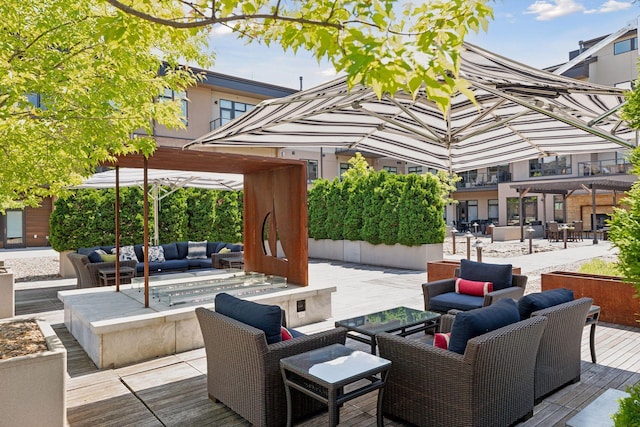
x,y
317,207
227,223
372,208
390,194
628,414
601,267
336,209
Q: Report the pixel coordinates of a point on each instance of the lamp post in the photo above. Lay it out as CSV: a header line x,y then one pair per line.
x,y
475,229
468,235
564,227
530,231
491,228
453,239
478,245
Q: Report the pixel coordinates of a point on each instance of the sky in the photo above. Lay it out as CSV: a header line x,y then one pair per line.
x,y
538,33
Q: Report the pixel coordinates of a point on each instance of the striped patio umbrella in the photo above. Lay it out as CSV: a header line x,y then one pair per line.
x,y
520,113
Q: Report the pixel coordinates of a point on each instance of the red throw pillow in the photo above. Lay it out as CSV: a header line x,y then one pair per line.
x,y
469,287
286,335
441,340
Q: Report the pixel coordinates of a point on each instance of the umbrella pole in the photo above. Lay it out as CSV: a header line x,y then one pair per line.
x,y
156,212
146,233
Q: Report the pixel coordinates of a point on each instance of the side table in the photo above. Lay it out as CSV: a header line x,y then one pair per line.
x,y
108,275
324,372
592,319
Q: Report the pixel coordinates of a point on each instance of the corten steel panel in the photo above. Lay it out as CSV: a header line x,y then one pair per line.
x,y
281,195
615,298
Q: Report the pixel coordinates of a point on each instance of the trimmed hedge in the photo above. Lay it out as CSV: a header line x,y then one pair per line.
x,y
378,207
86,217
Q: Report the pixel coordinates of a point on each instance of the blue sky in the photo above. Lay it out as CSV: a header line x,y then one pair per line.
x,y
539,33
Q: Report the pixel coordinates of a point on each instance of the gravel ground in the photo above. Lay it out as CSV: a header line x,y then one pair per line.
x,y
32,269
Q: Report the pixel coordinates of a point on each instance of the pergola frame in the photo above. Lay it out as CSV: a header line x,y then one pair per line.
x,y
566,189
275,205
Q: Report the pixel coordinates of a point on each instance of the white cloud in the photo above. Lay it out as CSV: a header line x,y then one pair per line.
x,y
548,10
221,30
614,6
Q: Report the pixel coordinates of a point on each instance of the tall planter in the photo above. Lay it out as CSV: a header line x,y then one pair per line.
x,y
7,295
615,297
33,389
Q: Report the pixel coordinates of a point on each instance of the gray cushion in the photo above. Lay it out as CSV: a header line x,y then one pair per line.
x,y
197,250
473,323
265,317
498,274
541,300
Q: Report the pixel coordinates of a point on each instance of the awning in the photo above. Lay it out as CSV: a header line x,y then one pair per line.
x,y
520,113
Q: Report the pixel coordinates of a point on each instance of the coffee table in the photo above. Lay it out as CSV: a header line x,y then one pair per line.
x,y
108,275
404,320
323,373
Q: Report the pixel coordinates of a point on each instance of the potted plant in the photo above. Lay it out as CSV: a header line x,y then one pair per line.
x,y
629,411
33,364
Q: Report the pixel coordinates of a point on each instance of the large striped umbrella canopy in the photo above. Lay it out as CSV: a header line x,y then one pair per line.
x,y
519,113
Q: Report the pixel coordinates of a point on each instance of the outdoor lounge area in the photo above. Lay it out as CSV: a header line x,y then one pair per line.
x,y
172,390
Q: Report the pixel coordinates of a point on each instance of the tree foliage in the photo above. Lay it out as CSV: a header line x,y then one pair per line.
x,y
317,208
77,79
384,44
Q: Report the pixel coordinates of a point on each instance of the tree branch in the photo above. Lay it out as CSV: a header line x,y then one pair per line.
x,y
213,20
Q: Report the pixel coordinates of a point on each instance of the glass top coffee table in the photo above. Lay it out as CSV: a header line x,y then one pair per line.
x,y
404,320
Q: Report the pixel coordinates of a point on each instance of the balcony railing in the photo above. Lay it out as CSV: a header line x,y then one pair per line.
x,y
476,180
604,167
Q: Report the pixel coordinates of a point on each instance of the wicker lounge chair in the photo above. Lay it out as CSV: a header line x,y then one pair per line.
x,y
243,371
439,288
87,271
559,359
490,385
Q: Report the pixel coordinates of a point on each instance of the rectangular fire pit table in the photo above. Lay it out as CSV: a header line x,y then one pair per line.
x,y
323,374
404,320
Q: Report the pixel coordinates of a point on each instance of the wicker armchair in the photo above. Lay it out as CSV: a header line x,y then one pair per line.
x,y
559,354
439,287
490,385
87,271
216,257
243,371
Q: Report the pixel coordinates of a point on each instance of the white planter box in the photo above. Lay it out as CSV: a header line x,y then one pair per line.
x,y
361,252
66,268
33,391
7,295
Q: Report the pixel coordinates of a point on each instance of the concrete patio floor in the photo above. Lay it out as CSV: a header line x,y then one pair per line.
x,y
171,390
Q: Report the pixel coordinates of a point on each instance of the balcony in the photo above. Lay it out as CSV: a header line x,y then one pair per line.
x,y
475,180
604,167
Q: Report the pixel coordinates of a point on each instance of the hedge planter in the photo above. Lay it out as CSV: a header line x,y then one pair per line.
x,y
360,252
615,297
7,295
33,389
444,269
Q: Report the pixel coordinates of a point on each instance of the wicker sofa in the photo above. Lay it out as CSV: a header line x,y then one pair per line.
x,y
440,295
491,384
243,371
86,262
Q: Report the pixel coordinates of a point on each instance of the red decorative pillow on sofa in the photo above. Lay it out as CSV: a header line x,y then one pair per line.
x,y
441,340
470,287
286,335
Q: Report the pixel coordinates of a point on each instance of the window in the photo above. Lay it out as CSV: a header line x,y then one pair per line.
x,y
312,170
625,46
493,210
498,174
628,85
390,169
230,110
181,96
552,165
343,168
414,169
558,208
530,205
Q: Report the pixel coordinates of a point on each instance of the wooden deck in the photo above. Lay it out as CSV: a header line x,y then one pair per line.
x,y
171,391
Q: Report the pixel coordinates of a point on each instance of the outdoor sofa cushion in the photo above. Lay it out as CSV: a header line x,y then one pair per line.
x,y
170,251
174,264
471,287
498,274
473,323
261,316
453,301
541,300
